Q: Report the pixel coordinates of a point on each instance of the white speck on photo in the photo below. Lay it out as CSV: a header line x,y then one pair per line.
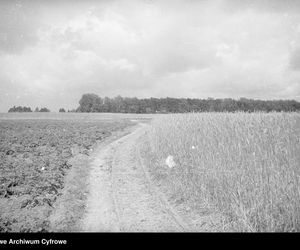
x,y
170,161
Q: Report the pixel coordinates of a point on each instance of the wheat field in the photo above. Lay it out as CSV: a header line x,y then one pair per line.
x,y
245,165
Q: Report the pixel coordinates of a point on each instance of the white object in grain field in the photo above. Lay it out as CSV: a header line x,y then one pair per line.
x,y
43,168
170,161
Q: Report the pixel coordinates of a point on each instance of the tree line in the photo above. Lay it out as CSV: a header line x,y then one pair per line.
x,y
119,104
24,109
20,109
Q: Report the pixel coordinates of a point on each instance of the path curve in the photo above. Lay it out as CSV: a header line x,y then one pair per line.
x,y
122,197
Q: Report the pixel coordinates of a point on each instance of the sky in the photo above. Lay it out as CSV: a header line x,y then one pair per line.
x,y
52,52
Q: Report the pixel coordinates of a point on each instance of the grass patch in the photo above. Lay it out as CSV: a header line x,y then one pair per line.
x,y
244,165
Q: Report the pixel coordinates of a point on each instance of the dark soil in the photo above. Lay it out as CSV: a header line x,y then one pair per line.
x,y
34,160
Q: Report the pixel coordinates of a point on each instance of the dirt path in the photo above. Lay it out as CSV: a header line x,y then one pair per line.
x,y
122,197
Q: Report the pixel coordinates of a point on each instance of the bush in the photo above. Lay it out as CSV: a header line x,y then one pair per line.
x,y
44,110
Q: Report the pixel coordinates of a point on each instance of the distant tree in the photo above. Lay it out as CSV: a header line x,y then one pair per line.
x,y
44,110
27,109
183,106
87,102
119,104
106,104
13,109
19,109
62,110
37,109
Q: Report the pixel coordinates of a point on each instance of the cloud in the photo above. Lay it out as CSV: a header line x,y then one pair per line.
x,y
144,48
263,5
295,59
18,26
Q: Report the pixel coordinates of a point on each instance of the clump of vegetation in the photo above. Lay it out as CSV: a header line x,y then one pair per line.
x,y
244,165
72,111
62,110
44,110
19,109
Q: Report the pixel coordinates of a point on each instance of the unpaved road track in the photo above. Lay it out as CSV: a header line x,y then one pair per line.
x,y
122,197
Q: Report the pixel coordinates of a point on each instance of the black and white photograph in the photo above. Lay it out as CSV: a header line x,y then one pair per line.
x,y
139,116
